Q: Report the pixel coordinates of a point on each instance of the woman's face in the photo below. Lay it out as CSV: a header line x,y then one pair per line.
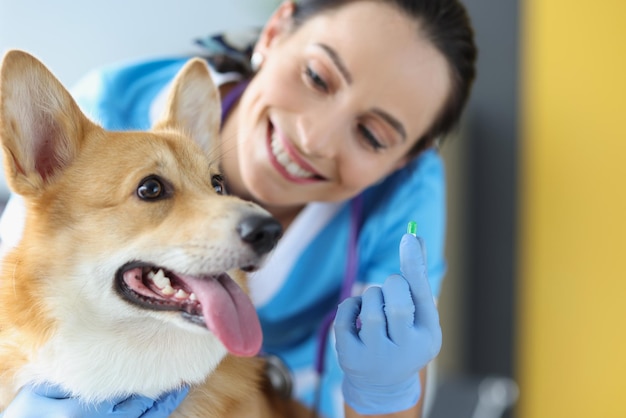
x,y
337,103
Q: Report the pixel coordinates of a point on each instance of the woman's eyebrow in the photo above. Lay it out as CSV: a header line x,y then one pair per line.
x,y
395,123
338,62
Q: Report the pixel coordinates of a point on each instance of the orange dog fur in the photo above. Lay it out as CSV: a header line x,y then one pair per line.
x,y
101,205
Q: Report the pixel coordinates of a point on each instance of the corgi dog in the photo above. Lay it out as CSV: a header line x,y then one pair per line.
x,y
130,274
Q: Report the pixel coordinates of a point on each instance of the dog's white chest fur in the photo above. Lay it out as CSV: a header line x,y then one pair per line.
x,y
99,364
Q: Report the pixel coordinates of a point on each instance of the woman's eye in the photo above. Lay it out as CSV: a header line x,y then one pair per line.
x,y
316,79
217,181
151,188
369,137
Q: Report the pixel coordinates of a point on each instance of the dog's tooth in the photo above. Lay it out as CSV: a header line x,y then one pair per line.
x,y
160,280
150,275
168,290
181,294
193,297
158,276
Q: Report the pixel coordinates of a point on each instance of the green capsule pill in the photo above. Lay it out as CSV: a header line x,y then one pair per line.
x,y
412,228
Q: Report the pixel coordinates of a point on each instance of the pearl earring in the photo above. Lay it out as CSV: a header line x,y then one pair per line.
x,y
256,61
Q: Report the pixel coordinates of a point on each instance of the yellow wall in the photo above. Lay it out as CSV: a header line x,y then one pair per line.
x,y
572,270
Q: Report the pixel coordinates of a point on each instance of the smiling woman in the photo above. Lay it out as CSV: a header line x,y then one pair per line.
x,y
334,133
376,99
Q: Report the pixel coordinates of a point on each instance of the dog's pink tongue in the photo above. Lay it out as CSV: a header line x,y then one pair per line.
x,y
228,312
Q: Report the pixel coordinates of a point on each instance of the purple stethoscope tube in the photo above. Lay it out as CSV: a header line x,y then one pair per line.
x,y
351,269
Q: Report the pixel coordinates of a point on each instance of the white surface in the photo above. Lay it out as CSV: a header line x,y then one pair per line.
x,y
71,37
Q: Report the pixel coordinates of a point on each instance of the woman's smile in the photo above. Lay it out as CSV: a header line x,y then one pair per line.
x,y
286,160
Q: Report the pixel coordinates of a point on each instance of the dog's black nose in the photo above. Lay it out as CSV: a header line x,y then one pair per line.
x,y
261,232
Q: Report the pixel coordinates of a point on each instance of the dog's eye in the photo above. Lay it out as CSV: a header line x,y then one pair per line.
x,y
217,181
150,188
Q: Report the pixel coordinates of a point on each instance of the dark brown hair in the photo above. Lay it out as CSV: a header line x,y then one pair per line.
x,y
446,24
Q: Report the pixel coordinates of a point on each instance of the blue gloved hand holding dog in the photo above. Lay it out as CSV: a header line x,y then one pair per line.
x,y
387,335
44,401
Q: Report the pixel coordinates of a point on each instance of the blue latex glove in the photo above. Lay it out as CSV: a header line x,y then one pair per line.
x,y
398,335
48,401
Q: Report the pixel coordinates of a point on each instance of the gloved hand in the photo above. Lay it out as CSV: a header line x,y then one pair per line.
x,y
50,401
398,335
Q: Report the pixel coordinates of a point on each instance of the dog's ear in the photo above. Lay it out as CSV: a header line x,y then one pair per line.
x,y
194,105
40,124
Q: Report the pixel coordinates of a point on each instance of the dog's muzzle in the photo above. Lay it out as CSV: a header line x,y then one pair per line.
x,y
214,301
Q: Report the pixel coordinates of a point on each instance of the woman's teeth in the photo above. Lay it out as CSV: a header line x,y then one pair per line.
x,y
288,164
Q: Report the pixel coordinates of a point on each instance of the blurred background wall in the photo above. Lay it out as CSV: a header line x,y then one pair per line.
x,y
538,203
536,174
571,349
